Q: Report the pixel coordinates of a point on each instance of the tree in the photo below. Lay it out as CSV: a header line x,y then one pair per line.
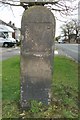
x,y
62,6
70,28
59,7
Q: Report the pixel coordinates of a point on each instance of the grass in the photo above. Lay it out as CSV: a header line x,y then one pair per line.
x,y
65,91
11,86
0,89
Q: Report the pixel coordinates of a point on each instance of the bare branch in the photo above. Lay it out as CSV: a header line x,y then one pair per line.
x,y
59,5
12,11
11,4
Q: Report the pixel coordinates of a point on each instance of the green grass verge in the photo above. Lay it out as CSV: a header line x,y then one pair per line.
x,y
0,90
65,91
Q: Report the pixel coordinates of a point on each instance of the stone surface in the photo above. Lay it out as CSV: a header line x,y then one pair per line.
x,y
38,31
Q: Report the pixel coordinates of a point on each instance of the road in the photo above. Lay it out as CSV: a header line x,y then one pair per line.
x,y
6,53
71,50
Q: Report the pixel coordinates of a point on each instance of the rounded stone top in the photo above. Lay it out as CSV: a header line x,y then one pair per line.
x,y
38,14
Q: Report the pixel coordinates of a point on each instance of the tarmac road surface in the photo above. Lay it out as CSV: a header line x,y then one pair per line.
x,y
6,53
71,50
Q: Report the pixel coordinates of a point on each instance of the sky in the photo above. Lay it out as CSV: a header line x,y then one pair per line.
x,y
14,14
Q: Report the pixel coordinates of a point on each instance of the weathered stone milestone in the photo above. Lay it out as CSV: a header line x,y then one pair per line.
x,y
38,31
